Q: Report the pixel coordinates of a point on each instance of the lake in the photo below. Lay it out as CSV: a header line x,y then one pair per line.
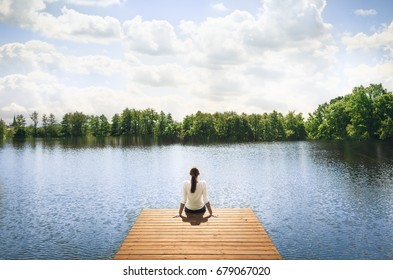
x,y
78,200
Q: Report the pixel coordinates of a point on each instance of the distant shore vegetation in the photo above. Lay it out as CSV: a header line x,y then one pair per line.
x,y
365,113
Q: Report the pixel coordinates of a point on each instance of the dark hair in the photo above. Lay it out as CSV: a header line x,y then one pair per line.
x,y
194,172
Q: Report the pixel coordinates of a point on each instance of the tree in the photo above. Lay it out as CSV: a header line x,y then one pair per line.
x,y
74,124
3,130
187,134
294,126
254,121
34,118
116,125
105,127
148,119
203,127
99,126
126,122
166,129
360,111
45,125
383,111
79,124
314,123
66,125
360,115
276,121
53,126
19,126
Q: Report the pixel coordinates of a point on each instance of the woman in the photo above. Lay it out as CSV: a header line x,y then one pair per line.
x,y
194,196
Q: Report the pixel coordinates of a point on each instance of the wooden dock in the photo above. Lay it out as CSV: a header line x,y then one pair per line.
x,y
236,234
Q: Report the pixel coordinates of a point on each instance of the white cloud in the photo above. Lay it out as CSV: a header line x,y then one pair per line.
x,y
219,7
382,39
378,70
240,36
365,74
159,75
155,37
25,93
14,108
260,62
70,25
362,12
102,3
281,58
44,93
40,56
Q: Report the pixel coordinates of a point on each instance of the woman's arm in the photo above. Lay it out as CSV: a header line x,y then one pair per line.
x,y
209,208
181,209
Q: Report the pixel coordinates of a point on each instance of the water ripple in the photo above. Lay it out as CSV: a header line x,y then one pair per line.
x,y
316,200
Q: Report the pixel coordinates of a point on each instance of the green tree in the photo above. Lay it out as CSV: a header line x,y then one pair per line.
x,y
116,125
94,122
276,122
166,129
360,110
314,123
337,119
254,122
99,126
105,126
187,134
19,126
127,122
294,126
264,128
45,125
74,124
203,127
383,111
79,124
66,125
34,118
3,130
148,119
52,126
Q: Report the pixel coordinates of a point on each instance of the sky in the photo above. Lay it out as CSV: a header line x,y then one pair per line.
x,y
181,56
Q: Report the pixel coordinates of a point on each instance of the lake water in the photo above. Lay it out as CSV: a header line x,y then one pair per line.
x,y
317,200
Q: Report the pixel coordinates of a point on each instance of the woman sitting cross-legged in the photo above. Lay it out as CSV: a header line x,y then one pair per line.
x,y
194,198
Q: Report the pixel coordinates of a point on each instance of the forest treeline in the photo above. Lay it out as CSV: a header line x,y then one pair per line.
x,y
365,113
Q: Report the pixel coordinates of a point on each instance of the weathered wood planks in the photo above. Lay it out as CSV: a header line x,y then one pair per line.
x,y
234,234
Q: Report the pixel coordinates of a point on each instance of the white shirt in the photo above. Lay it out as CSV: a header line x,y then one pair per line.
x,y
196,200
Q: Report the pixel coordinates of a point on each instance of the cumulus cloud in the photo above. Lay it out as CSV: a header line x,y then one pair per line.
x,y
382,39
40,56
14,108
282,57
102,3
235,38
241,57
371,74
26,93
362,12
155,37
219,7
159,75
45,93
70,25
374,71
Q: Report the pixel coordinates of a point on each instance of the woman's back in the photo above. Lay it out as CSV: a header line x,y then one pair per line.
x,y
197,199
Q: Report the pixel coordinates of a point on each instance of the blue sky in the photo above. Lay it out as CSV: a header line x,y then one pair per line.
x,y
99,57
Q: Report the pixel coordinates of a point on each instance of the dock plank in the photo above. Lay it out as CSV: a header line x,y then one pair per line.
x,y
236,234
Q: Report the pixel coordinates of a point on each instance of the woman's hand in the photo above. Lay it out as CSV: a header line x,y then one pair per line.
x,y
178,216
211,215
